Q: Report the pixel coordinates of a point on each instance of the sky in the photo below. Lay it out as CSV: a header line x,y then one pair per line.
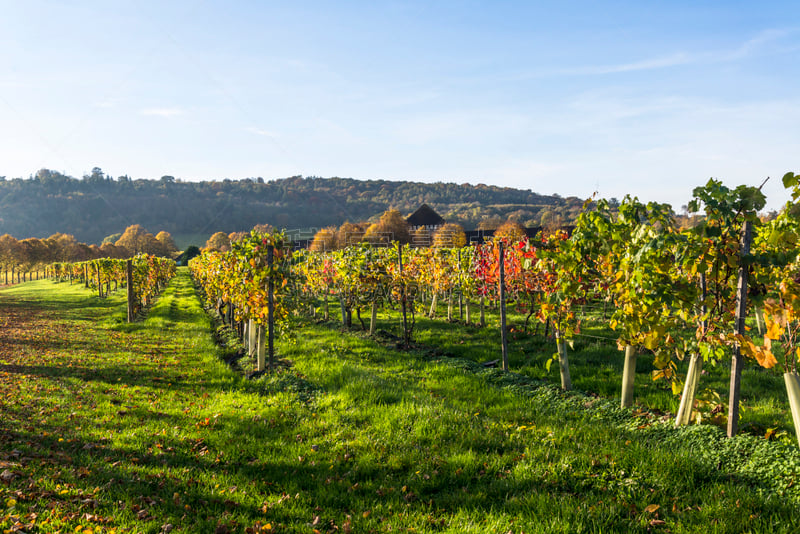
x,y
646,98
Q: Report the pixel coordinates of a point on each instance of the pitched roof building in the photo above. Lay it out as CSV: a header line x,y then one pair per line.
x,y
425,217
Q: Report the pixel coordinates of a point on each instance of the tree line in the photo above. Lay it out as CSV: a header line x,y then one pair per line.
x,y
390,227
97,204
20,258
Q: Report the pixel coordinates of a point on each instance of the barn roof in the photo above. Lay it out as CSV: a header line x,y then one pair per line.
x,y
425,216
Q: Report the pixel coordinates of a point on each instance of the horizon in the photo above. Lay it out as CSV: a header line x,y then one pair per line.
x,y
620,98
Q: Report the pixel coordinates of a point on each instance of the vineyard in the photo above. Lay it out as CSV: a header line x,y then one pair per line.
x,y
682,296
523,386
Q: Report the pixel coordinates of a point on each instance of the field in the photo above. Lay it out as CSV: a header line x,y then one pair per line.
x,y
110,427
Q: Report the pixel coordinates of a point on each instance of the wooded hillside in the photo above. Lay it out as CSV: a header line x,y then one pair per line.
x,y
98,205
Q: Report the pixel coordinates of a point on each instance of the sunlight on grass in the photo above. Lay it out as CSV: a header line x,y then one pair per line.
x,y
132,428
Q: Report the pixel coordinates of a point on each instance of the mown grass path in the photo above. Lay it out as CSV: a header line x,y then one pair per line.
x,y
108,427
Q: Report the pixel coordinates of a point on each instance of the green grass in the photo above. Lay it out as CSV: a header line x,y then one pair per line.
x,y
130,428
596,366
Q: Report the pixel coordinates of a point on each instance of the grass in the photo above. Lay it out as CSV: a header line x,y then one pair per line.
x,y
596,366
109,427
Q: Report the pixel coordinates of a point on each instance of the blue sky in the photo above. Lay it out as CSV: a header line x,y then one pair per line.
x,y
646,98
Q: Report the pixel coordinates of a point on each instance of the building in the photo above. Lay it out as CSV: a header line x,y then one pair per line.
x,y
425,217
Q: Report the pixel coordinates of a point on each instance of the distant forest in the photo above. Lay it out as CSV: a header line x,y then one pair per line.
x,y
97,205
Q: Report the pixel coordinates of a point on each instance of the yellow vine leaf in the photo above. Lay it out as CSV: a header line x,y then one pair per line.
x,y
774,329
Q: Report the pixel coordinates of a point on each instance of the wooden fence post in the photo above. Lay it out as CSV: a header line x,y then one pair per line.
x,y
252,339
402,294
99,284
741,314
260,351
628,376
502,288
130,291
270,307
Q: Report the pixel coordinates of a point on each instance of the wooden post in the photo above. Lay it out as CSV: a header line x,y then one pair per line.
x,y
483,311
684,415
628,376
450,305
86,276
460,290
131,293
563,362
741,314
99,284
402,294
252,338
502,289
759,321
270,307
261,350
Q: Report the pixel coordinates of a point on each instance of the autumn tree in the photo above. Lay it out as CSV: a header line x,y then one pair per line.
x,y
113,238
110,250
450,235
218,241
392,226
513,231
349,234
133,239
167,243
9,254
34,254
64,247
236,236
324,240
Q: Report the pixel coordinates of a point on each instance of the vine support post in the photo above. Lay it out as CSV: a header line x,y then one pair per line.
x,y
460,289
628,376
792,381
271,306
99,283
85,275
563,362
129,288
684,415
741,313
252,338
502,289
402,294
373,318
434,304
450,305
483,311
759,321
260,348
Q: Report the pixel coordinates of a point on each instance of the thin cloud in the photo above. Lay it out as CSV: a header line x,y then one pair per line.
x,y
166,113
754,45
263,133
673,60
